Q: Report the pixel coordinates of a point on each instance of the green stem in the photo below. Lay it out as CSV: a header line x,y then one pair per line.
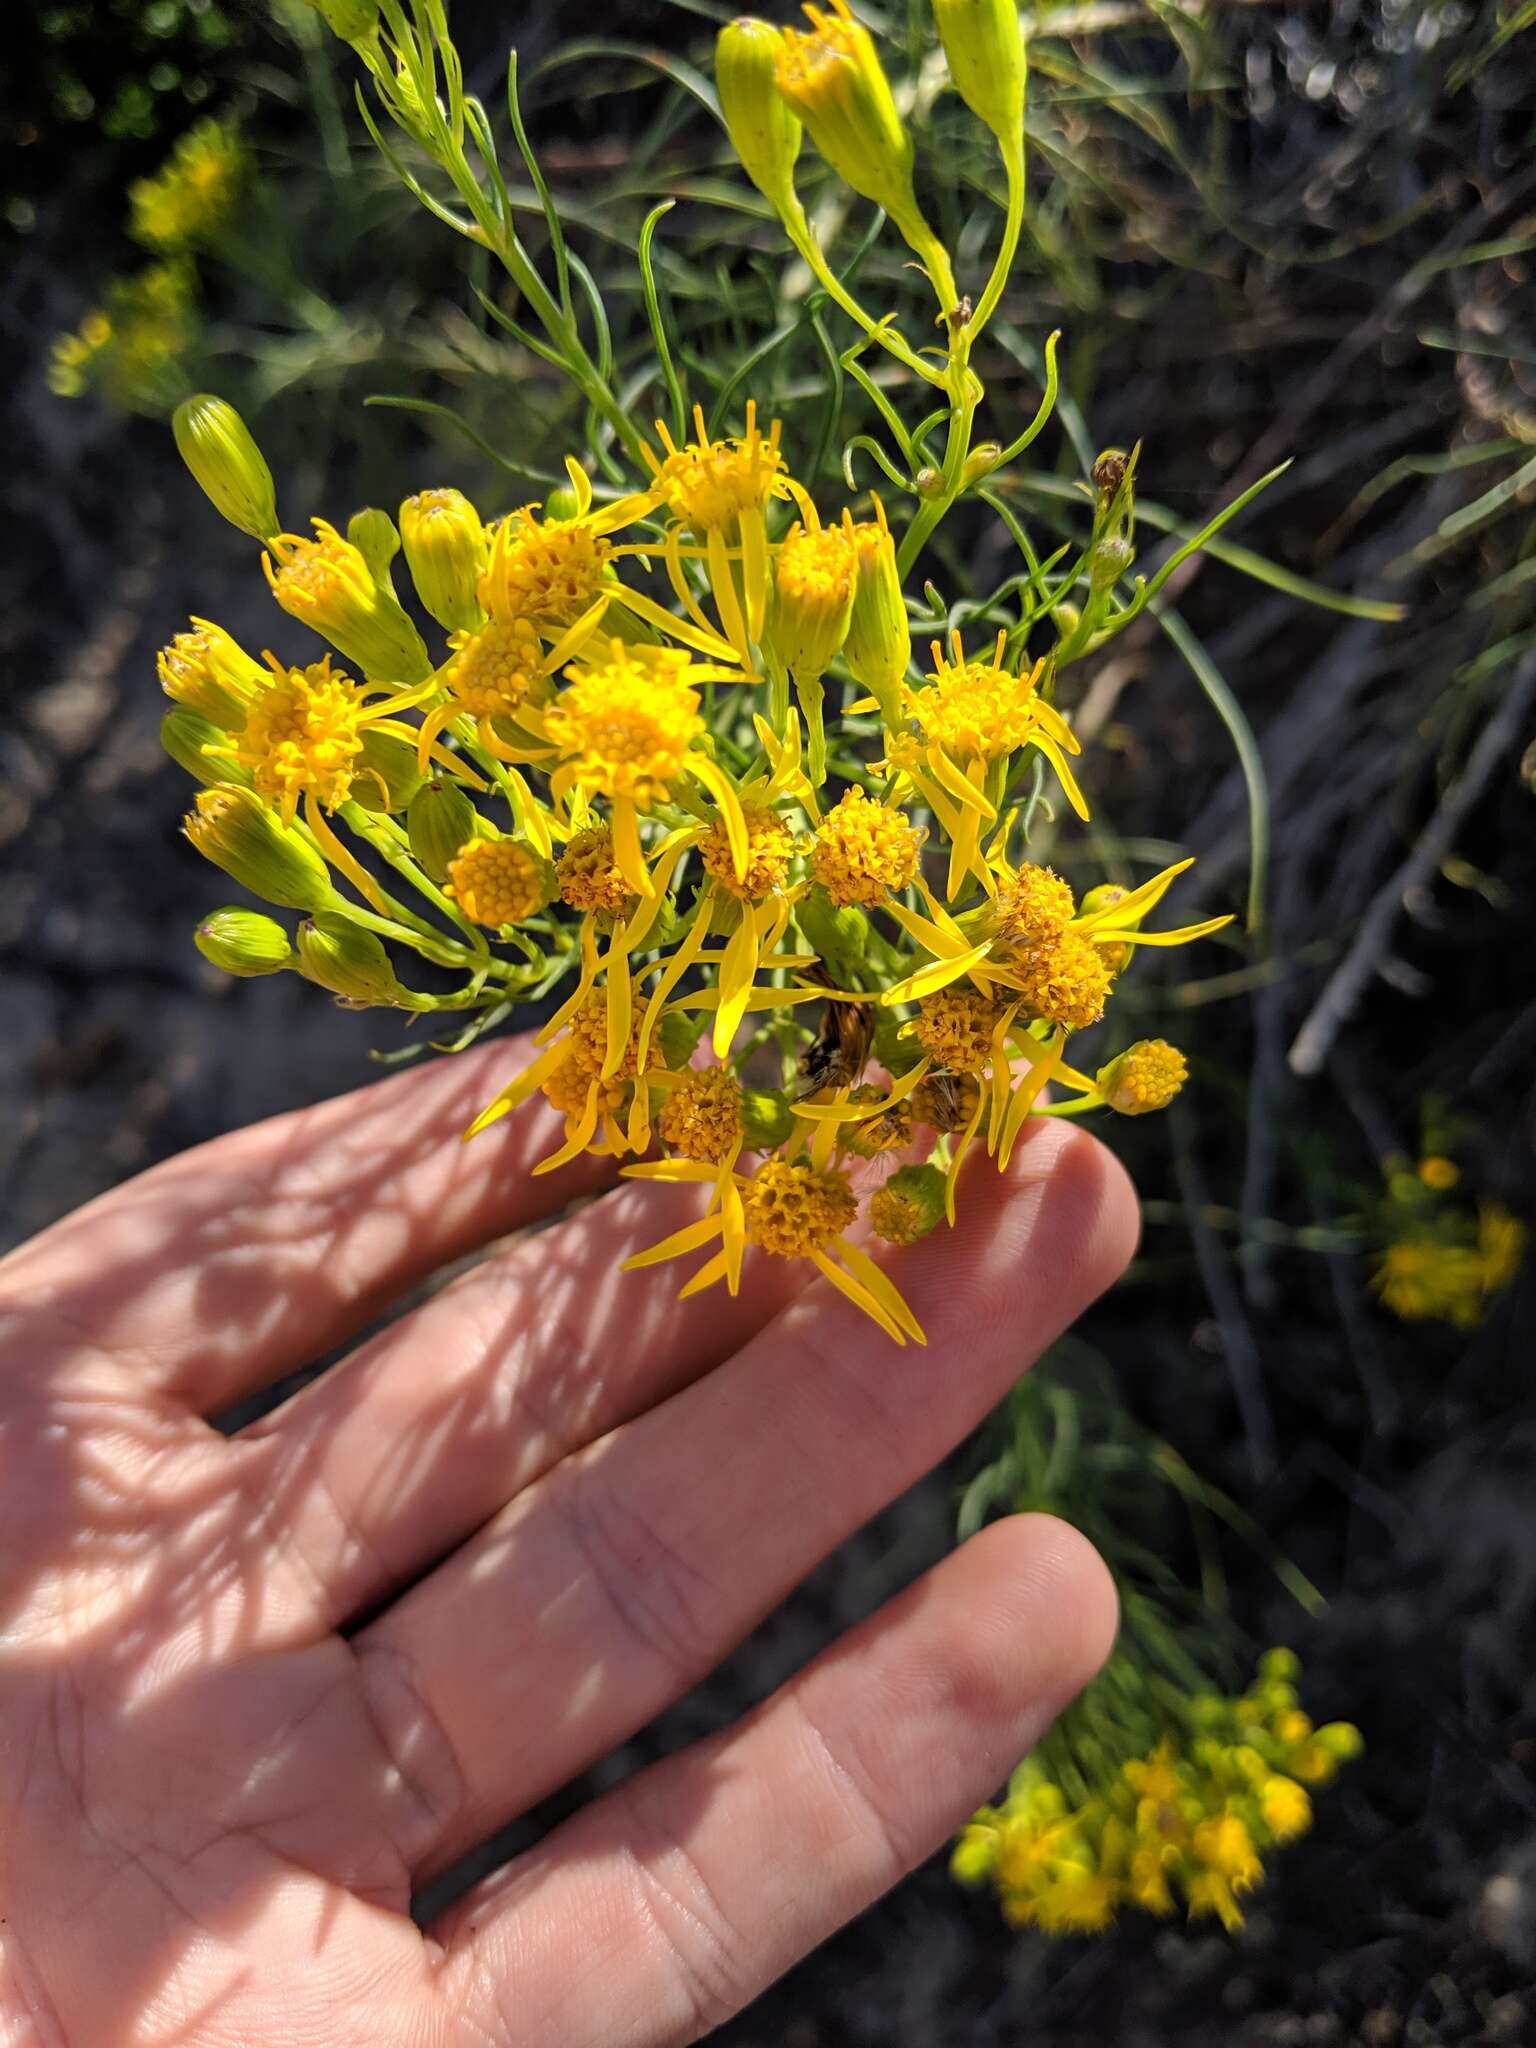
x,y
1013,224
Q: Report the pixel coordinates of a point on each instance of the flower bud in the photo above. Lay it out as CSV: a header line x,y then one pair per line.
x,y
840,934
211,674
878,648
909,1206
353,20
445,549
377,539
384,774
813,588
929,483
1146,1076
561,505
243,942
985,51
439,819
763,131
767,1118
233,828
216,445
831,78
1108,561
350,962
678,1036
980,463
187,736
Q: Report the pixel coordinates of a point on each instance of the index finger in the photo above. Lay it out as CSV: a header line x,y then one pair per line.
x,y
224,1268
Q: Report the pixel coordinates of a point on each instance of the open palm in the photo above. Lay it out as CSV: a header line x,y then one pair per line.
x,y
256,1690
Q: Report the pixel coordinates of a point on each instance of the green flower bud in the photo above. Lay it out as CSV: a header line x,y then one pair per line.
x,y
445,549
763,131
678,1035
243,942
377,539
929,483
351,963
233,828
985,51
385,776
186,735
878,647
839,933
1341,1741
980,463
1068,618
563,504
216,445
909,1206
1108,561
1280,1665
439,819
767,1118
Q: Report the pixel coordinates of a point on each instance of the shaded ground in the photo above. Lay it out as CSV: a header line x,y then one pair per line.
x,y
1397,1465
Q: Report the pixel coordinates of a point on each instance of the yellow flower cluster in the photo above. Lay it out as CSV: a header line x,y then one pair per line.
x,y
130,347
1451,1268
628,795
190,198
1189,1819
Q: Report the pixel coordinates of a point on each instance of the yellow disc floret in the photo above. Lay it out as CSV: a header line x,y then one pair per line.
x,y
976,710
955,1027
497,881
709,484
492,671
587,876
546,570
302,736
1065,981
701,1117
626,721
864,850
770,849
794,1211
1033,906
1146,1076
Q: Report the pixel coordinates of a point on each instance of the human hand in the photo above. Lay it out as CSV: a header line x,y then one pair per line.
x,y
256,1690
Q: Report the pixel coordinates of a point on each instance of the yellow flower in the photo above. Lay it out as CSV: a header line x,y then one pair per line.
x,y
625,728
1425,1278
549,571
212,673
497,881
1146,1076
588,877
1500,1244
955,1028
1033,906
796,1211
1075,1900
885,1131
719,492
302,736
130,348
813,586
326,584
1438,1173
701,1116
445,548
1286,1808
770,849
191,196
864,850
1225,1846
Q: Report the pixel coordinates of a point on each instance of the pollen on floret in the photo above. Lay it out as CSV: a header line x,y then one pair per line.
x,y
302,736
492,671
976,710
1033,906
497,881
626,720
864,850
877,1134
701,1117
1146,1076
588,877
770,849
793,1211
1066,981
550,571
709,484
955,1028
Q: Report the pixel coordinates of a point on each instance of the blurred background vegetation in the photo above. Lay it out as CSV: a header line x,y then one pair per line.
x,y
1266,232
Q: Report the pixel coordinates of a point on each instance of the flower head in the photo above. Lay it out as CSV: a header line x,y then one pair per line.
x,y
625,722
977,710
190,197
711,485
588,877
814,581
326,583
492,670
1146,1076
864,850
793,1211
546,570
1033,906
909,1206
1063,981
955,1028
445,551
878,646
497,881
770,849
212,673
302,736
701,1117
885,1131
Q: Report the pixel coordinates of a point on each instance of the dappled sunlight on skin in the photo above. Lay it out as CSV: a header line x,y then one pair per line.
x,y
217,1809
